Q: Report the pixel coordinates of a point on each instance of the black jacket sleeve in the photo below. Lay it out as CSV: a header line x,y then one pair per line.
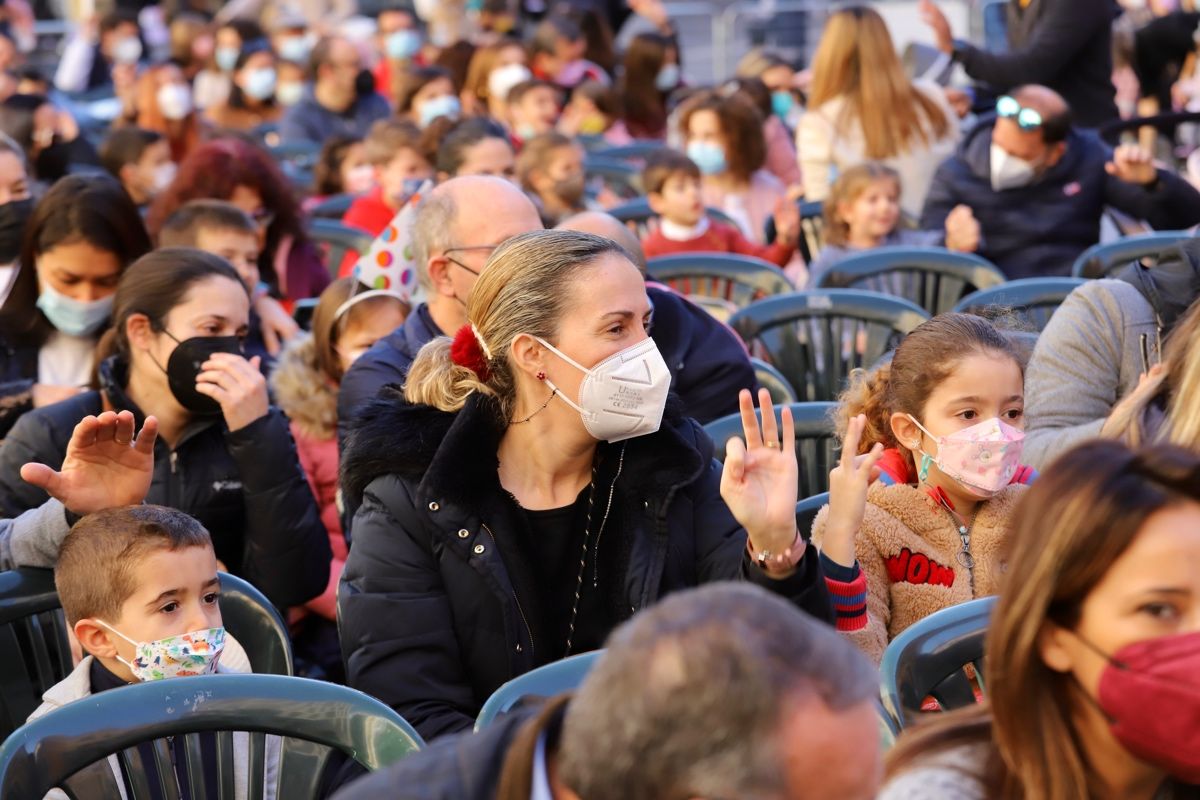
x,y
397,629
31,439
1171,203
287,551
16,398
1063,30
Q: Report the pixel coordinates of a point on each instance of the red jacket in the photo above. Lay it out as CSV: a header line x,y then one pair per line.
x,y
368,213
719,238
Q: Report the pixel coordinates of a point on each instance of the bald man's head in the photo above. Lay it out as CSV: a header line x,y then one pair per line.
x,y
610,227
1056,114
1040,146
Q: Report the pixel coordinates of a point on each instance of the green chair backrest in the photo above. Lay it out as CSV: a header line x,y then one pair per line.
x,y
773,381
738,279
35,650
636,212
932,277
806,511
928,657
335,240
315,718
816,337
812,229
545,681
1034,300
619,177
815,442
634,151
257,625
1102,260
334,206
303,310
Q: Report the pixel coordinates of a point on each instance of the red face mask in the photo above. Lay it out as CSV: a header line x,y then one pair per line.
x,y
1150,692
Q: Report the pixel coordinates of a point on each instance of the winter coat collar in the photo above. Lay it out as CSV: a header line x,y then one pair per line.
x,y
453,455
921,514
113,374
303,391
1171,285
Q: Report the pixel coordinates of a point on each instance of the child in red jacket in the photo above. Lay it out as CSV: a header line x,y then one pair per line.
x,y
671,181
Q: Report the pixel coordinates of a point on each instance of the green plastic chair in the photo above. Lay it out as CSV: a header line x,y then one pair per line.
x,y
812,230
303,310
773,381
734,278
634,151
33,641
1102,260
928,657
934,278
335,240
334,206
256,624
315,718
815,442
816,337
806,512
545,681
620,177
636,212
1034,300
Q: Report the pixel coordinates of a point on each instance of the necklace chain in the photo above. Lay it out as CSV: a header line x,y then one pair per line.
x,y
587,540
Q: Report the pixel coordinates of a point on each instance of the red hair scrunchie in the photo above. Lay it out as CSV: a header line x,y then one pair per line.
x,y
466,351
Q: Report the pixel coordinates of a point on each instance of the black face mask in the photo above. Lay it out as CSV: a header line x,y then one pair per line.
x,y
13,216
186,363
364,83
54,161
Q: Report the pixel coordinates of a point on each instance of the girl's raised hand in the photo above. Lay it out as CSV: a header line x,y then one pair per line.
x,y
760,479
848,483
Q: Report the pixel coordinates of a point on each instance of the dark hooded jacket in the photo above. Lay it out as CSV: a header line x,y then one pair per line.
x,y
438,603
245,486
1171,286
1040,229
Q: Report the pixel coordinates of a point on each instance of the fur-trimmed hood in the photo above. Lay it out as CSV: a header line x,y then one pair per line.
x,y
303,391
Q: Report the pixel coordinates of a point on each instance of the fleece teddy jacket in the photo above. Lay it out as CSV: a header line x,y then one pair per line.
x,y
908,549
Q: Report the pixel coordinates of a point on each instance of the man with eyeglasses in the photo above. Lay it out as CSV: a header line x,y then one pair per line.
x,y
1038,186
341,100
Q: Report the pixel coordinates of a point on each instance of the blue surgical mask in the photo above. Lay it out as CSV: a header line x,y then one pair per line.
x,y
260,83
226,58
402,45
294,49
667,78
709,157
445,106
782,103
74,317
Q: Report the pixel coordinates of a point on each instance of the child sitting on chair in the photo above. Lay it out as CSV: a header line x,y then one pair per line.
x,y
862,212
671,181
139,588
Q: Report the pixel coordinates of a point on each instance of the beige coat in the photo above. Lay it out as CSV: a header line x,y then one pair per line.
x,y
908,549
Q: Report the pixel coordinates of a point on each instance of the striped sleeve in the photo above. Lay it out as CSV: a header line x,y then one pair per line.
x,y
848,590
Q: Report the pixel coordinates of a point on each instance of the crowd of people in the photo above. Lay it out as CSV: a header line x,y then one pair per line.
x,y
477,447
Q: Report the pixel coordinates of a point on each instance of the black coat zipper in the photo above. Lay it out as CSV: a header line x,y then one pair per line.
x,y
517,600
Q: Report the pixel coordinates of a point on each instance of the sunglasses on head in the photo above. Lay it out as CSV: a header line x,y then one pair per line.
x,y
1027,119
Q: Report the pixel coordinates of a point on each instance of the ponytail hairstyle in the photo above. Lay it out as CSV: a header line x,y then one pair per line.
x,y
846,189
155,284
525,287
924,359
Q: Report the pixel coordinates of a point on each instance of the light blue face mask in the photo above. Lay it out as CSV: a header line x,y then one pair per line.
x,y
402,45
260,83
445,106
709,157
667,78
73,317
782,103
294,49
226,58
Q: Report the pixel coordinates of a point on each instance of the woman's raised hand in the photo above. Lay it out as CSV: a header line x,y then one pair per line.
x,y
238,385
760,478
848,483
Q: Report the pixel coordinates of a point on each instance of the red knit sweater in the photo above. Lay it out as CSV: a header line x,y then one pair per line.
x,y
719,238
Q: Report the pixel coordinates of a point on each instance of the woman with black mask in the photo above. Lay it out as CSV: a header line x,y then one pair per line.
x,y
223,454
80,238
49,135
16,204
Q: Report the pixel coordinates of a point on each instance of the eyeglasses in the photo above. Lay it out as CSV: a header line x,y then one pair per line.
x,y
489,247
263,217
1028,119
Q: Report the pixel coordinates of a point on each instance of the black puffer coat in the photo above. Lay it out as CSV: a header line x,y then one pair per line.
x,y
245,486
433,614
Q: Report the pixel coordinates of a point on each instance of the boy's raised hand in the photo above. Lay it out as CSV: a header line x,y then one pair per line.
x,y
787,221
848,483
105,466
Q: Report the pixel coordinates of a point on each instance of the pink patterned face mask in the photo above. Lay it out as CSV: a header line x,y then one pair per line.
x,y
982,458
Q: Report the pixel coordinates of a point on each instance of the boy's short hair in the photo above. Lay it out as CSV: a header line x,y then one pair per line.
x,y
550,30
518,92
536,154
126,146
98,559
182,229
387,137
661,165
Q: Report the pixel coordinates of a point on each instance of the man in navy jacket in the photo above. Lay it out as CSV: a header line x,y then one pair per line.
x,y
1038,186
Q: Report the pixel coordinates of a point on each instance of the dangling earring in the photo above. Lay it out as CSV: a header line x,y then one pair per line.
x,y
923,472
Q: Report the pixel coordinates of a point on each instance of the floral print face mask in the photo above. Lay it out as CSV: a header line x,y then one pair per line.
x,y
982,458
181,656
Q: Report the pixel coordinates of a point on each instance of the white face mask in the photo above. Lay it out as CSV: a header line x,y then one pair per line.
x,y
502,79
163,175
174,101
624,395
288,93
1009,171
360,179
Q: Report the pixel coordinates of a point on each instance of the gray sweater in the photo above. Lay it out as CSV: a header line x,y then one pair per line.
x,y
33,539
1088,357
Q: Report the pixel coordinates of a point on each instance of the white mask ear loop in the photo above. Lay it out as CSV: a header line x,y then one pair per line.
x,y
924,430
123,636
558,392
